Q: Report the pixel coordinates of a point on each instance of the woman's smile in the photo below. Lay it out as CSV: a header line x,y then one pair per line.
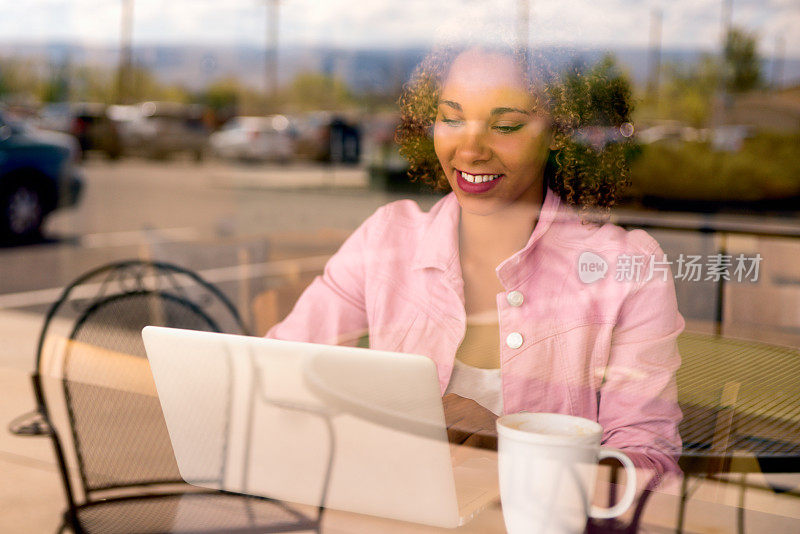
x,y
477,183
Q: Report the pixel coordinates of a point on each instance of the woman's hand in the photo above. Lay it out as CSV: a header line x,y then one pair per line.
x,y
469,423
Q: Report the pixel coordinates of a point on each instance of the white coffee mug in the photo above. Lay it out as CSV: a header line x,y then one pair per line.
x,y
548,468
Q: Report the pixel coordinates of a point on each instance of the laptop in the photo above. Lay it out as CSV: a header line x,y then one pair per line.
x,y
352,429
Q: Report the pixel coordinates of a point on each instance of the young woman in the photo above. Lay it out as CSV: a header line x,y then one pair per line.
x,y
508,283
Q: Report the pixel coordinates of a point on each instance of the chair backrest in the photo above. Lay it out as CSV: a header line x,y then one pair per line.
x,y
92,343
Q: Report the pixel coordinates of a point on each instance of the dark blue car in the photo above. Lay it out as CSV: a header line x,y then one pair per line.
x,y
37,176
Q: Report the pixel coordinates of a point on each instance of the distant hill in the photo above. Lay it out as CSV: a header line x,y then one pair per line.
x,y
373,70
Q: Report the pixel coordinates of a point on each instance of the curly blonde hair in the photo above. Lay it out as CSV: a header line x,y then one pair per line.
x,y
587,164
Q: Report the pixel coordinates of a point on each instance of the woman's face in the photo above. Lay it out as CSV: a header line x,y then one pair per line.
x,y
489,138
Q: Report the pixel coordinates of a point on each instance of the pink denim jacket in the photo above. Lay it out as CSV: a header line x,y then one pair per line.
x,y
604,349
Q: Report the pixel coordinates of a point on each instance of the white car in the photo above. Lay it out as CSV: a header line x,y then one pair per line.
x,y
254,139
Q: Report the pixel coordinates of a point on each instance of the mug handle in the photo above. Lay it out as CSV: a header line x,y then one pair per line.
x,y
625,502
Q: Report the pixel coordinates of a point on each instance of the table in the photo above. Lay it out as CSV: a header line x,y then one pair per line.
x,y
740,413
709,515
741,406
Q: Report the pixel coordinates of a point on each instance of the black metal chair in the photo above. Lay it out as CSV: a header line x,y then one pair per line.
x,y
96,400
741,413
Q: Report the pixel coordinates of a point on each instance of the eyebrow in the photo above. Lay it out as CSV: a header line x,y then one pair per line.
x,y
500,111
495,111
455,105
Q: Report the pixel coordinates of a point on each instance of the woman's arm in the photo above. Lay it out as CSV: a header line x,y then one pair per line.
x,y
332,309
638,404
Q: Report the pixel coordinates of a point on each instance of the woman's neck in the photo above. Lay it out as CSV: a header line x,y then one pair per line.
x,y
490,239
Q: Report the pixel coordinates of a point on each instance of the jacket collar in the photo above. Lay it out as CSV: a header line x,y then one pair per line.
x,y
508,271
440,249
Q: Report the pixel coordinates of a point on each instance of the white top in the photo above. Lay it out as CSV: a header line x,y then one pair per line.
x,y
481,385
480,345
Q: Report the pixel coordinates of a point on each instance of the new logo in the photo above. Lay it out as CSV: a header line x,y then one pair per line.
x,y
591,267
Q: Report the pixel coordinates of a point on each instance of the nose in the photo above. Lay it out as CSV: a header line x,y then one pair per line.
x,y
473,145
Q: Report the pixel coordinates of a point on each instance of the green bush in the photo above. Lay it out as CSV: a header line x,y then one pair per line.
x,y
767,167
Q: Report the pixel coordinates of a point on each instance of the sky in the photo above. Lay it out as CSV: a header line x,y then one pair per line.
x,y
687,24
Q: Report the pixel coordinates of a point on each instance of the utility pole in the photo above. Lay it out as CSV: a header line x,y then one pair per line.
x,y
722,100
727,22
523,23
654,74
271,56
124,70
777,62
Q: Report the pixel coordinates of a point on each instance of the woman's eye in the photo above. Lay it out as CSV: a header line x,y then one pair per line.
x,y
451,122
507,128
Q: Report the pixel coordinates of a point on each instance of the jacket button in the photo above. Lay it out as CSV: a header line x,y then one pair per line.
x,y
515,298
514,340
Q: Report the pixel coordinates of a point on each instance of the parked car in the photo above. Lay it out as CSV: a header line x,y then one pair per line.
x,y
37,176
89,122
386,168
254,139
161,129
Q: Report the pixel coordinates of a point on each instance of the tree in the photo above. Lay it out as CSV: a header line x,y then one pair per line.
x,y
222,95
312,90
742,68
599,95
144,85
19,77
227,97
91,84
688,91
56,87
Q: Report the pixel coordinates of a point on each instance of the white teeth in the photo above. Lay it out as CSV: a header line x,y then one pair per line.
x,y
479,178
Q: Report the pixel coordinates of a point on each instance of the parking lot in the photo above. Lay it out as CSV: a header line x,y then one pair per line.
x,y
137,206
